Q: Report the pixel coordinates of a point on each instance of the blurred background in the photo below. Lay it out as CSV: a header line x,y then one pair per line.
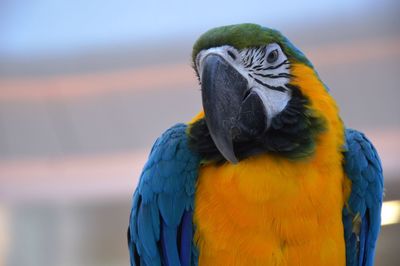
x,y
87,86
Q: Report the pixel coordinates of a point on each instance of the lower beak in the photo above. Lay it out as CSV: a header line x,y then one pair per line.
x,y
232,110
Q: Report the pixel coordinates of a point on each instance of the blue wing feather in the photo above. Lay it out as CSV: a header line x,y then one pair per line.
x,y
186,238
162,206
361,215
169,245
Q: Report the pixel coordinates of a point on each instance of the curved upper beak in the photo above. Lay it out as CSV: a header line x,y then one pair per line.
x,y
231,108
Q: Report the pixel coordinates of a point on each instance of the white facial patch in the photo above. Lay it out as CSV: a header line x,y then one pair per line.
x,y
255,62
274,101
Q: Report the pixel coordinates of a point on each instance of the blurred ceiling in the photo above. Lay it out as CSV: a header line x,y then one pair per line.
x,y
44,27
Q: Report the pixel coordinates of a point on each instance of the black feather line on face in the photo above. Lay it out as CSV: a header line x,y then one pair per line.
x,y
275,88
249,64
293,134
286,62
272,76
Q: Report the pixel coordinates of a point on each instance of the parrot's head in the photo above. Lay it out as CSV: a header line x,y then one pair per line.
x,y
258,93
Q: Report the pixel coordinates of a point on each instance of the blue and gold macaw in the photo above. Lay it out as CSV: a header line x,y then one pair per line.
x,y
267,174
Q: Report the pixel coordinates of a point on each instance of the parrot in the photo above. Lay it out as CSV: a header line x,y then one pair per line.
x,y
265,174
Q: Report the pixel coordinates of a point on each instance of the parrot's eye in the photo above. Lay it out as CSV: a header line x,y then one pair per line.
x,y
273,56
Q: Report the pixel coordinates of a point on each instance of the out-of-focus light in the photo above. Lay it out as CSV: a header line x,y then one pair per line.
x,y
4,234
390,212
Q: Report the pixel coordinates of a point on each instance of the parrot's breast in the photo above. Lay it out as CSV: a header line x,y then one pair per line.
x,y
268,211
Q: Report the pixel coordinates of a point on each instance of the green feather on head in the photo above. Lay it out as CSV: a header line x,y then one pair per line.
x,y
247,35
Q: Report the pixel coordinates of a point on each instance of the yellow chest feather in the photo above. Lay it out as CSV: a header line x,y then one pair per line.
x,y
269,211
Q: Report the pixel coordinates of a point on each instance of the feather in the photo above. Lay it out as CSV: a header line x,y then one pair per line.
x,y
146,230
186,239
163,201
169,245
363,167
171,208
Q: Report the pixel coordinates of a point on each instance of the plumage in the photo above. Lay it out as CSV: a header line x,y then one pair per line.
x,y
164,196
362,166
291,201
243,185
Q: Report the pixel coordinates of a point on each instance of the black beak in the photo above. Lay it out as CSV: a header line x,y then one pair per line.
x,y
232,110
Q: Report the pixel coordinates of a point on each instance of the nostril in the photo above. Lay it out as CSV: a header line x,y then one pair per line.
x,y
235,132
232,55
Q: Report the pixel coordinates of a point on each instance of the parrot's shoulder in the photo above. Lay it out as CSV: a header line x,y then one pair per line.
x,y
361,160
163,202
171,164
362,165
361,214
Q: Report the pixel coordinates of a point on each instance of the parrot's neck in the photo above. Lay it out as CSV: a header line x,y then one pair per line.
x,y
292,134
